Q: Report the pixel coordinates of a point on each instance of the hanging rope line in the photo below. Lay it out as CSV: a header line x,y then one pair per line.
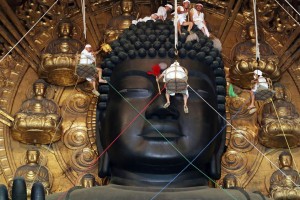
x,y
28,31
176,26
200,154
288,12
292,7
190,165
183,156
228,123
257,56
284,135
83,17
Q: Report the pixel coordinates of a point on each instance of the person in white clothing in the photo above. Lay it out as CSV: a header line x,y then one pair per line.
x,y
260,83
197,17
183,12
88,57
175,71
161,14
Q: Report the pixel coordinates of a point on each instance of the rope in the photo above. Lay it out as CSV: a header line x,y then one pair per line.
x,y
176,26
284,134
256,33
241,134
28,31
168,140
288,12
83,17
199,155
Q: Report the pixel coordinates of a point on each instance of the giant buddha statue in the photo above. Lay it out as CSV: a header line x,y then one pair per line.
x,y
38,120
118,24
154,149
284,183
244,57
33,172
59,58
273,130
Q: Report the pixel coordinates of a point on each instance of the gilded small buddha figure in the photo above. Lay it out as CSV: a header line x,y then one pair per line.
x,y
33,172
244,56
118,24
272,130
59,57
88,180
229,182
37,121
284,183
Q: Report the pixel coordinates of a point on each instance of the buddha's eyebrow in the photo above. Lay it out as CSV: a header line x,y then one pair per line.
x,y
132,73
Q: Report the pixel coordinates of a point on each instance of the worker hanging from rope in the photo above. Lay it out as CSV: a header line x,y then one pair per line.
x,y
87,68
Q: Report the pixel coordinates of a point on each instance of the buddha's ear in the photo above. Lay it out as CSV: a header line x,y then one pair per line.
x,y
104,166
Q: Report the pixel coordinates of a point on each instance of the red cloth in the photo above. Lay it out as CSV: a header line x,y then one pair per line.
x,y
155,70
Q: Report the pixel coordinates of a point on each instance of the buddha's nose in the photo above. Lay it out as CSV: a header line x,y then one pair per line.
x,y
157,111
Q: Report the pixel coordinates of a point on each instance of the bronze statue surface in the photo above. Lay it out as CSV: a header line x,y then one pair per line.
x,y
33,172
37,122
279,119
59,58
284,183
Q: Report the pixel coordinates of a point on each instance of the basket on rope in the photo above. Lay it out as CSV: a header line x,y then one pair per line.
x,y
176,78
85,70
263,93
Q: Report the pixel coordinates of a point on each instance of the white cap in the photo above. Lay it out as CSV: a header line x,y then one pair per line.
x,y
169,5
88,46
258,72
186,1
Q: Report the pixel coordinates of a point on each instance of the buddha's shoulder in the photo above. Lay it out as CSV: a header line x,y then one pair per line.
x,y
113,192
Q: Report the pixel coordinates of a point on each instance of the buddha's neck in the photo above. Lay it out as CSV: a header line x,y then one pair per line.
x,y
186,179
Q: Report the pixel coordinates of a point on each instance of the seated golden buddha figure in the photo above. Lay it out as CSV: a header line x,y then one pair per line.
x,y
37,121
244,56
273,132
117,24
284,183
59,58
33,172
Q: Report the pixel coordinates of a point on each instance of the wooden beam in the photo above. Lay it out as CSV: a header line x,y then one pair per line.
x,y
289,52
226,18
290,40
19,49
18,24
17,36
290,61
231,20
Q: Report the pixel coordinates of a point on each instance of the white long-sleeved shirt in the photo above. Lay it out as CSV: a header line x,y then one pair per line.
x,y
87,58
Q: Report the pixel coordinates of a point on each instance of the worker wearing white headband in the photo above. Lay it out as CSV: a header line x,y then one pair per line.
x,y
161,14
197,16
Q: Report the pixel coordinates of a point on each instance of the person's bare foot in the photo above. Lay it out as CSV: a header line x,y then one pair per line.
x,y
102,81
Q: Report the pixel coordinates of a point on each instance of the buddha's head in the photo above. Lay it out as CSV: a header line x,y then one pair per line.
x,y
141,149
229,181
88,180
285,160
65,28
279,91
32,156
126,6
39,88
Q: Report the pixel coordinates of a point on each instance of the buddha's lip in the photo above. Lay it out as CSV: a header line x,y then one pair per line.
x,y
160,131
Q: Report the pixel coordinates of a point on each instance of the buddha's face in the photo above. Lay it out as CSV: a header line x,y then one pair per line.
x,y
285,160
88,182
64,47
32,156
39,89
65,29
127,6
141,147
251,32
229,182
279,93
